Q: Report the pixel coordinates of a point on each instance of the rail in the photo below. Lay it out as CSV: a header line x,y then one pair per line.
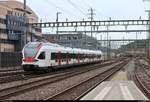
x,y
18,89
103,76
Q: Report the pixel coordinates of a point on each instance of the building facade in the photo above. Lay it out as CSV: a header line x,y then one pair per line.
x,y
14,26
74,40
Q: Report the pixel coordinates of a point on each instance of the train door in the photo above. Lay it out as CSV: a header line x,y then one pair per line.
x,y
43,59
67,58
59,58
78,57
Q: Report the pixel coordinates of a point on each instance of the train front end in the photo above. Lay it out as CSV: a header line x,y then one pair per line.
x,y
33,57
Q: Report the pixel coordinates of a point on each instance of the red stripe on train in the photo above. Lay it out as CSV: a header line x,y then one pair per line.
x,y
29,59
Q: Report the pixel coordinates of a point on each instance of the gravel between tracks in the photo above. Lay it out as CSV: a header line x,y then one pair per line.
x,y
48,90
26,80
141,78
11,84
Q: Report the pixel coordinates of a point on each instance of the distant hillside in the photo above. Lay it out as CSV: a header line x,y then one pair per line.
x,y
136,44
104,49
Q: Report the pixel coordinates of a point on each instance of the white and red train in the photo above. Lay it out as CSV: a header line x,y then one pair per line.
x,y
45,56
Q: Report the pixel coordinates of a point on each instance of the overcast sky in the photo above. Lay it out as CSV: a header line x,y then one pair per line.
x,y
78,9
103,9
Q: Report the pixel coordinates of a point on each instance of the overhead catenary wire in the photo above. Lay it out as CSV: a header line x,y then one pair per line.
x,y
61,9
82,5
91,6
76,7
86,5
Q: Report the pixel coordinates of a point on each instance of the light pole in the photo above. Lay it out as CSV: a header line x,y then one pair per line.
x,y
57,14
123,45
107,43
147,9
25,31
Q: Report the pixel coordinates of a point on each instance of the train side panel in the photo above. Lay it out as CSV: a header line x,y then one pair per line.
x,y
48,56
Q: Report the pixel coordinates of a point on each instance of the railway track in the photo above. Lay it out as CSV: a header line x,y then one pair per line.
x,y
18,89
11,75
78,90
17,74
142,78
10,69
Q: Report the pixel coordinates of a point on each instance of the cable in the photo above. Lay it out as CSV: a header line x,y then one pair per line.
x,y
76,7
89,6
82,5
61,9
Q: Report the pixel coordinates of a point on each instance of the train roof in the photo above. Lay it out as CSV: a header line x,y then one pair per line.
x,y
57,47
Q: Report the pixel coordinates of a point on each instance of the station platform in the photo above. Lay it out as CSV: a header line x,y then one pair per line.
x,y
115,90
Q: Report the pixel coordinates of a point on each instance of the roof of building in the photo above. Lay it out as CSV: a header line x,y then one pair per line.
x,y
18,6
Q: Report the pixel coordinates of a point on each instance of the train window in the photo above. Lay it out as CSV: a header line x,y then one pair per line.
x,y
42,55
31,50
53,56
99,56
71,56
75,56
64,55
33,45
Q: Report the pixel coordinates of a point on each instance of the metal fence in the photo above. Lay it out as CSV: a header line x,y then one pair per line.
x,y
10,59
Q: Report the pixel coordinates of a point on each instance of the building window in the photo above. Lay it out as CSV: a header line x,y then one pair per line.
x,y
9,12
79,37
8,22
75,38
3,21
52,37
59,38
14,23
3,31
69,38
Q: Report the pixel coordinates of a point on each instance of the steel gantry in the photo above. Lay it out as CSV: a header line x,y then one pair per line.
x,y
92,23
112,40
102,31
96,26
